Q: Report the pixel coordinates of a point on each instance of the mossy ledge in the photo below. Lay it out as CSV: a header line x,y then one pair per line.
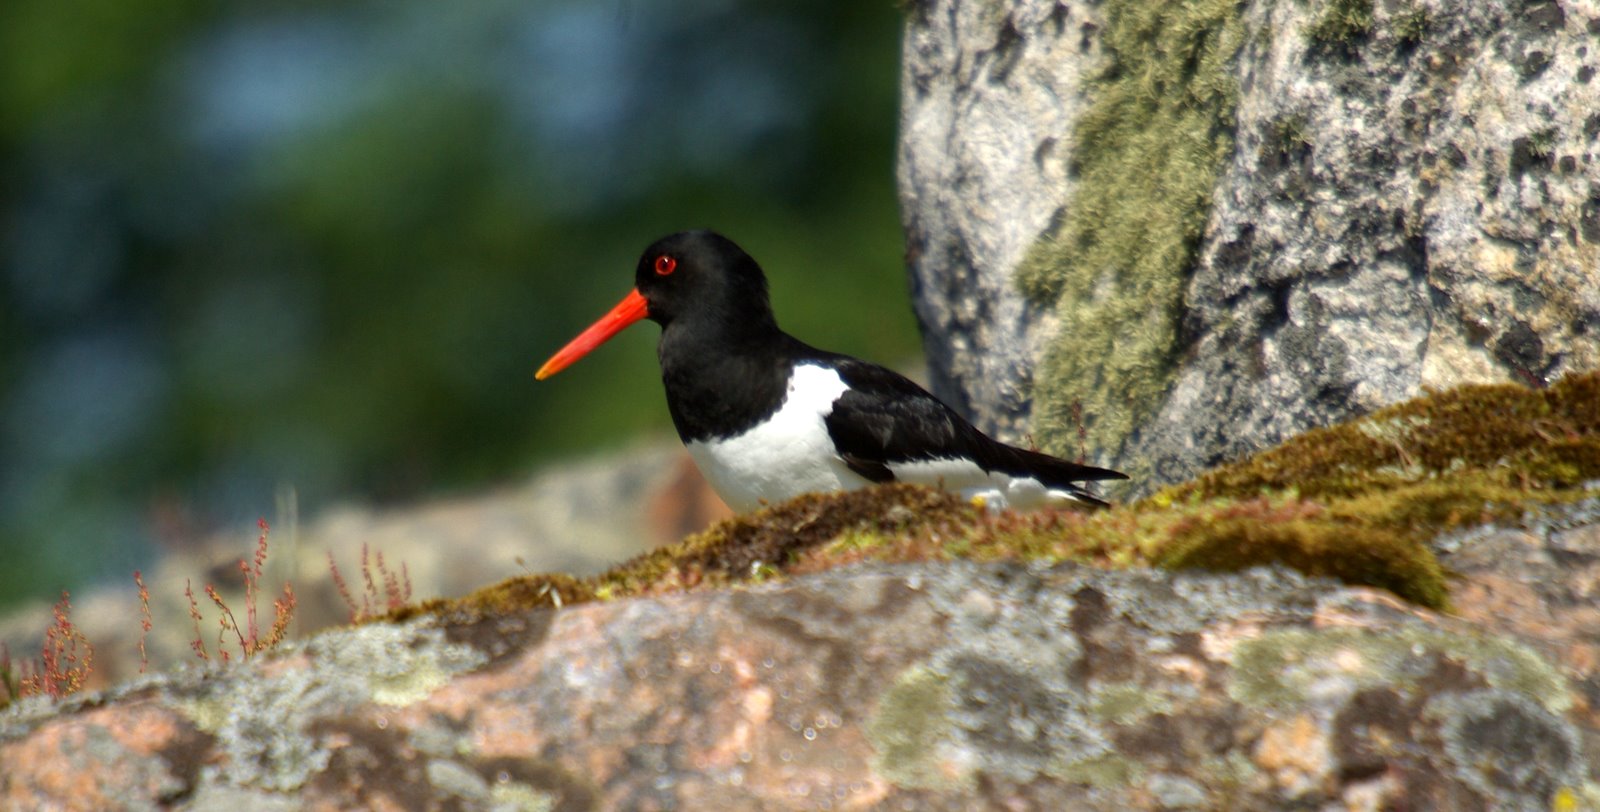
x,y
1359,502
753,547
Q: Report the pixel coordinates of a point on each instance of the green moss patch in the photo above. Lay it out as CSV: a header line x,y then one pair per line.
x,y
1342,22
1524,444
1146,156
1307,537
1359,502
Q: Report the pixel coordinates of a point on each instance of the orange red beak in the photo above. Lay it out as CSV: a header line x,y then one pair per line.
x,y
631,309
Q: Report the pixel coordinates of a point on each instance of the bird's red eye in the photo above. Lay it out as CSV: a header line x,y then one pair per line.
x,y
665,265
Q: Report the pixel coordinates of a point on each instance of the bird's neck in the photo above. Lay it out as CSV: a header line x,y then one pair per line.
x,y
722,381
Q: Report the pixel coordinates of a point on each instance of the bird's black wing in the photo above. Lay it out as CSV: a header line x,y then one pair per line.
x,y
886,418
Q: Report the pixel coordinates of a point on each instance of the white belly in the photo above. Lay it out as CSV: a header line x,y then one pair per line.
x,y
788,454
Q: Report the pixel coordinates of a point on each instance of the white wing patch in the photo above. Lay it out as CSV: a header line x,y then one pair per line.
x,y
788,454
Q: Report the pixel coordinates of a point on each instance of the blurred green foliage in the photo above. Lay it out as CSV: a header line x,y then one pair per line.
x,y
326,244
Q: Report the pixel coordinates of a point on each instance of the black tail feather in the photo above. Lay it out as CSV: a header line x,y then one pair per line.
x,y
1052,471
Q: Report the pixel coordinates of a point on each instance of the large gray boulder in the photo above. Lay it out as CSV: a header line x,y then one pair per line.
x,y
1189,231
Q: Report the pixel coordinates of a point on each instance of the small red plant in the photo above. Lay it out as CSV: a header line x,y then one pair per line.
x,y
65,660
198,644
144,620
249,637
396,590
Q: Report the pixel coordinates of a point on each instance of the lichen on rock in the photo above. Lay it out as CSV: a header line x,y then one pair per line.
x,y
264,723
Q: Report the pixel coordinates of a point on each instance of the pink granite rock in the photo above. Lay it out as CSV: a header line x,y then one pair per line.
x,y
929,686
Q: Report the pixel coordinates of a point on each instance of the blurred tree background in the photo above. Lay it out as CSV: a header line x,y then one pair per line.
x,y
326,244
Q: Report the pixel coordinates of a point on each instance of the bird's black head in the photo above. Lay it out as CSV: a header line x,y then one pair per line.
x,y
701,275
697,285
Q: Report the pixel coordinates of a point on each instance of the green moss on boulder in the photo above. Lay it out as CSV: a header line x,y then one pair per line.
x,y
1146,155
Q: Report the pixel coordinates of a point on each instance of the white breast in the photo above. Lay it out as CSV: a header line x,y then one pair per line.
x,y
788,454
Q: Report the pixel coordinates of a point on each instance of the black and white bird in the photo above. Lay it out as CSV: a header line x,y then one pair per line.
x,y
767,417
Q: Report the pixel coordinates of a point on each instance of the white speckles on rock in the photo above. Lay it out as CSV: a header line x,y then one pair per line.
x,y
261,721
1414,236
399,664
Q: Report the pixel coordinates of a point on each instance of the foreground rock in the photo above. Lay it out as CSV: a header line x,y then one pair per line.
x,y
1240,220
907,686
